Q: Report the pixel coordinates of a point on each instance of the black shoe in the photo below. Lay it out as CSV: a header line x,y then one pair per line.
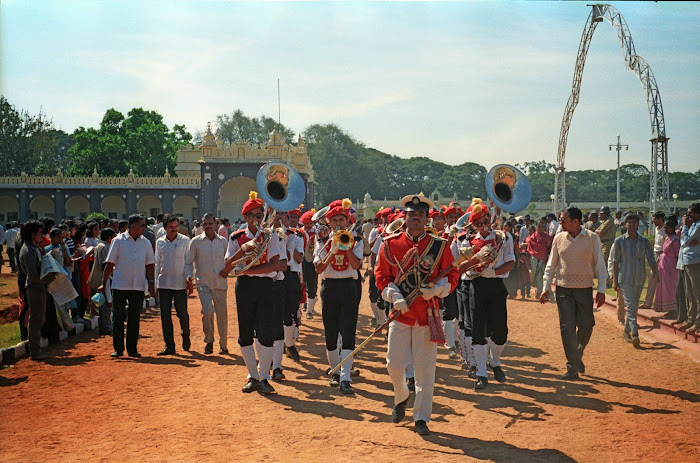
x,y
251,385
134,355
481,382
116,354
412,384
452,353
266,388
167,351
209,348
498,374
277,374
354,373
421,428
635,341
569,376
223,351
472,372
626,336
292,353
346,388
581,367
335,380
186,345
399,411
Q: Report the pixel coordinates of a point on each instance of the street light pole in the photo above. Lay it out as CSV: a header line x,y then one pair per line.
x,y
618,148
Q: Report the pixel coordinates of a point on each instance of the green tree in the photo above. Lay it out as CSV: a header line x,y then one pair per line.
x,y
140,141
237,126
29,143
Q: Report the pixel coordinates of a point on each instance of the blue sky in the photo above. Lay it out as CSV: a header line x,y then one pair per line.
x,y
484,82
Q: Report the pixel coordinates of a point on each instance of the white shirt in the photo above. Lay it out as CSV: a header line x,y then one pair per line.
x,y
172,270
155,228
294,243
505,256
332,273
377,244
197,230
130,258
11,237
524,233
2,235
160,233
275,249
207,259
659,238
553,226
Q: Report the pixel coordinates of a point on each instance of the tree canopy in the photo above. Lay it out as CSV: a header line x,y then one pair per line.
x,y
140,141
30,143
237,126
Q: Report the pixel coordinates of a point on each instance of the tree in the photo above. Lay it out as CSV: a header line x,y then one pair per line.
x,y
237,126
140,142
29,143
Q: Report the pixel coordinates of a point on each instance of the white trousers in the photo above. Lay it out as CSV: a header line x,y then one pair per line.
x,y
406,344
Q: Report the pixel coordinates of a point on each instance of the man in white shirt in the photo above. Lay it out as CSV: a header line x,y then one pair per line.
x,y
254,295
10,238
489,322
130,259
206,253
2,241
339,295
173,282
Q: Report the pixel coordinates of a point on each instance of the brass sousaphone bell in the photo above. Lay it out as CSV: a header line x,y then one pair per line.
x,y
508,188
280,186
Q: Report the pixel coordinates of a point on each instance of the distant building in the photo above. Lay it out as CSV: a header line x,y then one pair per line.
x,y
211,177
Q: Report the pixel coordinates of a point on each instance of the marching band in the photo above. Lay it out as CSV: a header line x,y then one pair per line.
x,y
427,268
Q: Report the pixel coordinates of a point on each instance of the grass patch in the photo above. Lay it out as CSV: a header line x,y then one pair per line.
x,y
9,334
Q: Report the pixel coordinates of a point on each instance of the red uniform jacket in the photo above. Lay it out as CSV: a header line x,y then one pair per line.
x,y
386,271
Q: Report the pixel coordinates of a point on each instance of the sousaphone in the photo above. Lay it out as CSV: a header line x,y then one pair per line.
x,y
508,188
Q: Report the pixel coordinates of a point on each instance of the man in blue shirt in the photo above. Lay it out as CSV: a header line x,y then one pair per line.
x,y
629,273
690,251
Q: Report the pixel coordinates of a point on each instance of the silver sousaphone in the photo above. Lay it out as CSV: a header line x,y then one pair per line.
x,y
508,188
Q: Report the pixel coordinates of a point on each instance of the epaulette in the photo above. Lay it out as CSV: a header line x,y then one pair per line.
x,y
299,232
236,234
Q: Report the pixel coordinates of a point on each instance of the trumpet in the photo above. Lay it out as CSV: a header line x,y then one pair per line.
x,y
342,240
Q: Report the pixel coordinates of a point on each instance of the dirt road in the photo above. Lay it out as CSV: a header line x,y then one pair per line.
x,y
632,405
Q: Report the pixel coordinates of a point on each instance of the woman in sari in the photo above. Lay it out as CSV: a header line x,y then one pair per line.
x,y
665,297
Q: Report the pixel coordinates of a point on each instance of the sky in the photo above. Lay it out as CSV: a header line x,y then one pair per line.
x,y
483,82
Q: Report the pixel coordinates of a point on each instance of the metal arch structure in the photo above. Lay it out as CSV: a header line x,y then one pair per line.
x,y
658,182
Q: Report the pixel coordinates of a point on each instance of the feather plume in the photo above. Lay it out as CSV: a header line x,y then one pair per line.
x,y
347,204
253,195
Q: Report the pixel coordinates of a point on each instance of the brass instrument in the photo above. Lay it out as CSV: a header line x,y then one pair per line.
x,y
281,188
394,226
342,239
508,187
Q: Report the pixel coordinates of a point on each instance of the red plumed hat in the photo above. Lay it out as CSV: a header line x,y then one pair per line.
x,y
252,203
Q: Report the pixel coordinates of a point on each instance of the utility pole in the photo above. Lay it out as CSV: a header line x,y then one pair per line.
x,y
618,148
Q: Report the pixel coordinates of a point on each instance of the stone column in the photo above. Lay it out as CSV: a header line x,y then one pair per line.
x,y
60,205
167,201
23,206
131,201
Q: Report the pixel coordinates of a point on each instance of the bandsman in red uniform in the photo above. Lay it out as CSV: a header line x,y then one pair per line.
x,y
407,262
339,295
254,295
489,317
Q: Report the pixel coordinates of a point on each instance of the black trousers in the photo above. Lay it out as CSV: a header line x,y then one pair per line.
x,y
292,289
279,297
465,306
132,317
339,305
373,290
11,256
255,302
576,323
310,278
490,315
358,286
450,309
167,298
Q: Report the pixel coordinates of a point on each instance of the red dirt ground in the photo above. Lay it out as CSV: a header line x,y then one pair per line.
x,y
632,405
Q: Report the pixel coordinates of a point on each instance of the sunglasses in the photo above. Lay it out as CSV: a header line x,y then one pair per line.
x,y
255,216
479,224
